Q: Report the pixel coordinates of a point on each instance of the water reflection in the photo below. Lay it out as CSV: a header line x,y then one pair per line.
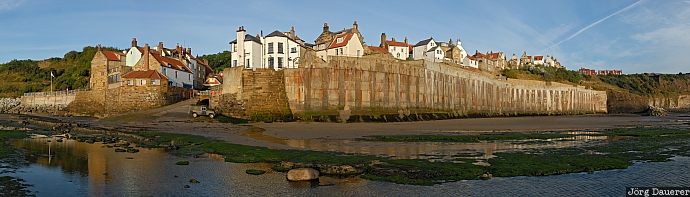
x,y
428,150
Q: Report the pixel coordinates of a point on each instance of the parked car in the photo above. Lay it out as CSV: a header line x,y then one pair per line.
x,y
201,110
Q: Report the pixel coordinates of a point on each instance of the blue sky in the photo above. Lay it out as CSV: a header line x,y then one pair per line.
x,y
636,36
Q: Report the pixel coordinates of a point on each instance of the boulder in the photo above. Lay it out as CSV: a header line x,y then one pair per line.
x,y
302,174
656,111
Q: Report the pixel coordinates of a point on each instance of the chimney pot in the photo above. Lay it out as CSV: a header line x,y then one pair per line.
x,y
134,42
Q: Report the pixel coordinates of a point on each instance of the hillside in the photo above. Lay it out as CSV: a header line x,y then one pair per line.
x,y
71,72
626,93
218,61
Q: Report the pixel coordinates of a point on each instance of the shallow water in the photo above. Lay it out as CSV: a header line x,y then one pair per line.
x,y
82,169
442,151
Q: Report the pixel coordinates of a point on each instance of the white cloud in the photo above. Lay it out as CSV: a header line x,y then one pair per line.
x,y
10,4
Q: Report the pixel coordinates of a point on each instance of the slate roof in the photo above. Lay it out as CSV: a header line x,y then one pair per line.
x,y
423,42
247,37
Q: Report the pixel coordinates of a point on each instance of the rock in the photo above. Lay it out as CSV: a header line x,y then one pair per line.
x,y
656,111
132,150
194,181
283,166
255,172
487,176
187,186
302,174
120,150
182,163
340,170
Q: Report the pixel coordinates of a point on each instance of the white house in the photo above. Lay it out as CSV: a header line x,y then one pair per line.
x,y
246,51
539,60
435,54
348,42
421,49
281,51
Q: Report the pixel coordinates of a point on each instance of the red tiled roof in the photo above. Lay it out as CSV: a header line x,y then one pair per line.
x,y
346,39
491,56
397,44
378,49
537,58
149,74
170,62
112,55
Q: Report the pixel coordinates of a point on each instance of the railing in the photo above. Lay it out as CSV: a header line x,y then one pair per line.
x,y
54,93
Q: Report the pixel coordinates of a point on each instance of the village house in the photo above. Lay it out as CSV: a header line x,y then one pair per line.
x,y
107,68
347,42
538,60
454,52
282,49
246,50
491,62
514,62
276,50
427,50
399,50
179,65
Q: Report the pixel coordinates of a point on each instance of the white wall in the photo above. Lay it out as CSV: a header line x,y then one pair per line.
x,y
399,52
287,55
180,79
133,56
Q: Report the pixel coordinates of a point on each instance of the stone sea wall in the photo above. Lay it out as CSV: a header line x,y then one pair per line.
x,y
362,89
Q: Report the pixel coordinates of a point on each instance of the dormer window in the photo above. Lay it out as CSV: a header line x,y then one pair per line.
x,y
339,40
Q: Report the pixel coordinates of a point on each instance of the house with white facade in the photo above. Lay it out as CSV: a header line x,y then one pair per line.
x,y
246,51
281,50
348,43
179,66
399,50
423,50
539,60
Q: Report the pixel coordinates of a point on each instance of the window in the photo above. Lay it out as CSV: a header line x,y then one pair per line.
x,y
175,74
398,55
141,82
293,50
358,53
339,40
271,62
247,64
234,63
190,76
270,48
341,51
280,48
156,82
280,62
130,82
163,70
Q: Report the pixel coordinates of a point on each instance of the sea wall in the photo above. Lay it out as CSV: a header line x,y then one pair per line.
x,y
362,89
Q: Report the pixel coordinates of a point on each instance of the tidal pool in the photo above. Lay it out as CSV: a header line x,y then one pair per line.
x,y
71,168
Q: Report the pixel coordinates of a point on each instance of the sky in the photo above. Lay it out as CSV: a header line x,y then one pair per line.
x,y
636,36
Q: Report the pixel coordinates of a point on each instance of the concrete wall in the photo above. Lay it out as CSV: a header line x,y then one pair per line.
x,y
373,87
61,98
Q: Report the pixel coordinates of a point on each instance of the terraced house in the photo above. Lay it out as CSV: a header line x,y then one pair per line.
x,y
276,50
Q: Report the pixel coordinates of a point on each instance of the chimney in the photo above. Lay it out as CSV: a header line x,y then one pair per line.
x,y
146,56
189,51
292,31
134,42
160,48
240,46
354,27
383,41
405,39
180,54
325,27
